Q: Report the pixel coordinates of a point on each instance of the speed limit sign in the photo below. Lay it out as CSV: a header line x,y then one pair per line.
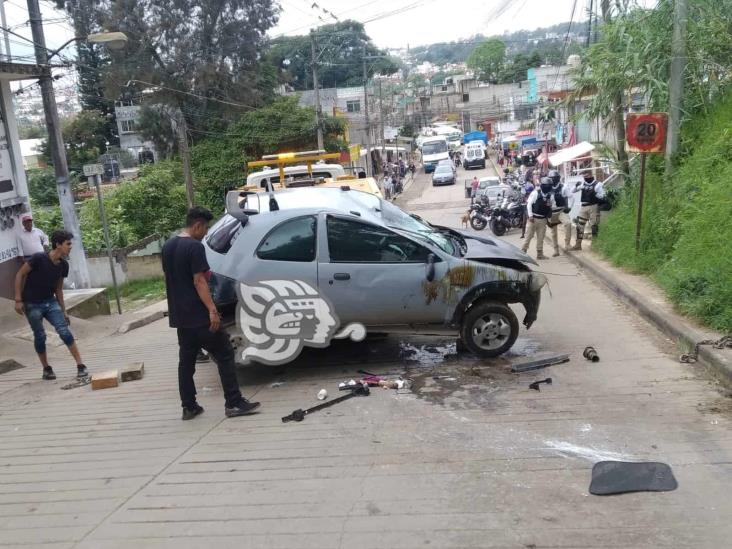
x,y
646,132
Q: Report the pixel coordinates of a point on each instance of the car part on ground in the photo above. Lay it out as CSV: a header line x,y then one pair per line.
x,y
299,415
535,385
590,354
538,364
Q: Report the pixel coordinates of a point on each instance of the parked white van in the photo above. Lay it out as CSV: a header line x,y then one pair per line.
x,y
474,156
320,170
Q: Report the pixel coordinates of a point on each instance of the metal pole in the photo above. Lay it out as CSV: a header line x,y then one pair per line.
x,y
369,167
640,201
676,81
8,57
185,155
79,270
318,108
103,216
381,122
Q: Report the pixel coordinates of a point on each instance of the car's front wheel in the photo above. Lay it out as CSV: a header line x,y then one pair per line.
x,y
489,329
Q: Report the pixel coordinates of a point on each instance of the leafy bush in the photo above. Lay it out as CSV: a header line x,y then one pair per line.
x,y
42,187
686,236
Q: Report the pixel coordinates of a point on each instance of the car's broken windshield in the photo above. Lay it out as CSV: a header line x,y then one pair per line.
x,y
398,219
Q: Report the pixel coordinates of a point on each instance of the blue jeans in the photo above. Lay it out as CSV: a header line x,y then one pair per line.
x,y
49,309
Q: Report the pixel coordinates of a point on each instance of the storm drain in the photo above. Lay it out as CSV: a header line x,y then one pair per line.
x,y
9,365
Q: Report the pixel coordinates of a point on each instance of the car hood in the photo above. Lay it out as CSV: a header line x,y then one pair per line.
x,y
490,248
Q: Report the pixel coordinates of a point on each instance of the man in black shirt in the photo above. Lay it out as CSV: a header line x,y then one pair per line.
x,y
39,294
192,312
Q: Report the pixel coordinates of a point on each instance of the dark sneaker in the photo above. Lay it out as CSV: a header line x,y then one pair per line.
x,y
244,408
48,373
202,357
81,371
190,413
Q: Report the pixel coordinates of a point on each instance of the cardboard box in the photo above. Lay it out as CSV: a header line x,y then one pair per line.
x,y
105,380
133,371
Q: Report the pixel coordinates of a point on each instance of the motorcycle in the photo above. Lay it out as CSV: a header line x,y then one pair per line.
x,y
480,214
509,215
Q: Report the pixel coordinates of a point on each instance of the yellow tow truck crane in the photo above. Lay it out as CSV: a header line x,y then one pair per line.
x,y
365,184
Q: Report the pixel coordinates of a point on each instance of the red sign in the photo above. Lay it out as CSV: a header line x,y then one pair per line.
x,y
646,132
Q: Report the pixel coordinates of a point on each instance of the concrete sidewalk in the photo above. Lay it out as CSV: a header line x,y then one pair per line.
x,y
472,459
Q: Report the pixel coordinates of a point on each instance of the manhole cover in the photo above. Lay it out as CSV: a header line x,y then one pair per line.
x,y
9,366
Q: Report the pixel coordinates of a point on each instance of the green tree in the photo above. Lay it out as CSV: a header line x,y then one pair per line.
x,y
42,187
204,55
487,60
340,57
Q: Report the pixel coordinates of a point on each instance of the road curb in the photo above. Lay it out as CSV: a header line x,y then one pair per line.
x,y
674,326
145,316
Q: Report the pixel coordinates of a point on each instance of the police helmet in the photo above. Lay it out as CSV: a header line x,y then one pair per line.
x,y
554,176
546,184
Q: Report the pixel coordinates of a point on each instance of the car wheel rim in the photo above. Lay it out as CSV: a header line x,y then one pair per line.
x,y
491,331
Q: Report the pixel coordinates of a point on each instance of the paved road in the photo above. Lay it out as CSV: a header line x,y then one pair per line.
x,y
472,459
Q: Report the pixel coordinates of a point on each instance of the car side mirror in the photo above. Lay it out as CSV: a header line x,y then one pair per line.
x,y
431,258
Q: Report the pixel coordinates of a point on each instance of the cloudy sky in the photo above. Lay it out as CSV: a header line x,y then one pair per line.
x,y
390,23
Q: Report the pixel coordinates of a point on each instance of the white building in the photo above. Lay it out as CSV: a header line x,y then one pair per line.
x,y
13,187
127,114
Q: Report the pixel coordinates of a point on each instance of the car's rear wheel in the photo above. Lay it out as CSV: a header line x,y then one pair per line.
x,y
489,329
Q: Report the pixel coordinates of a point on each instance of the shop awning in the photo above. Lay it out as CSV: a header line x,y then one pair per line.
x,y
571,153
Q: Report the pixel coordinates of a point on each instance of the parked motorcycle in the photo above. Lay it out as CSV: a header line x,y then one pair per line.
x,y
480,214
508,215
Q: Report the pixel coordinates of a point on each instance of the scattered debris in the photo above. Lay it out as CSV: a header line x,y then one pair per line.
x,y
299,415
536,384
538,364
105,380
621,477
277,384
79,382
133,371
322,394
591,354
721,343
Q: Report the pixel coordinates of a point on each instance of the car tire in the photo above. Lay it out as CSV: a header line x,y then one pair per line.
x,y
489,320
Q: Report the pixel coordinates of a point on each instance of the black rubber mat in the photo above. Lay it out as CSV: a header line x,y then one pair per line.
x,y
619,477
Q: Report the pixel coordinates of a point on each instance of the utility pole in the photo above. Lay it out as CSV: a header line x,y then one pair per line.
x,y
8,57
676,82
589,26
79,270
181,128
318,108
381,120
369,167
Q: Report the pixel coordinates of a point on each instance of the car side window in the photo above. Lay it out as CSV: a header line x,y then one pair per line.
x,y
352,241
293,240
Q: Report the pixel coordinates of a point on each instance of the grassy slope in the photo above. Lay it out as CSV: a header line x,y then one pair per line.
x,y
687,223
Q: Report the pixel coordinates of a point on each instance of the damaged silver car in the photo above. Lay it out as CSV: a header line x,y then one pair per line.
x,y
370,262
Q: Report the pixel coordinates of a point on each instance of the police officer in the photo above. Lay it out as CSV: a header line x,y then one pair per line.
x,y
591,194
540,206
563,199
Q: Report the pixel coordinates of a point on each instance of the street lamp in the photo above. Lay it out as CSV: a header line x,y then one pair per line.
x,y
79,268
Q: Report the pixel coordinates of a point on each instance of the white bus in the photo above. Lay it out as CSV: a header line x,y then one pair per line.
x,y
434,149
453,135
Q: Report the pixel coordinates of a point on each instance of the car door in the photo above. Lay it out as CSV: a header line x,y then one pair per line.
x,y
375,276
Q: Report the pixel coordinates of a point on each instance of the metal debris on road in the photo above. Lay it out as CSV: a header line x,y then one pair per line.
x,y
721,343
277,384
299,415
536,384
591,354
322,394
77,383
538,364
